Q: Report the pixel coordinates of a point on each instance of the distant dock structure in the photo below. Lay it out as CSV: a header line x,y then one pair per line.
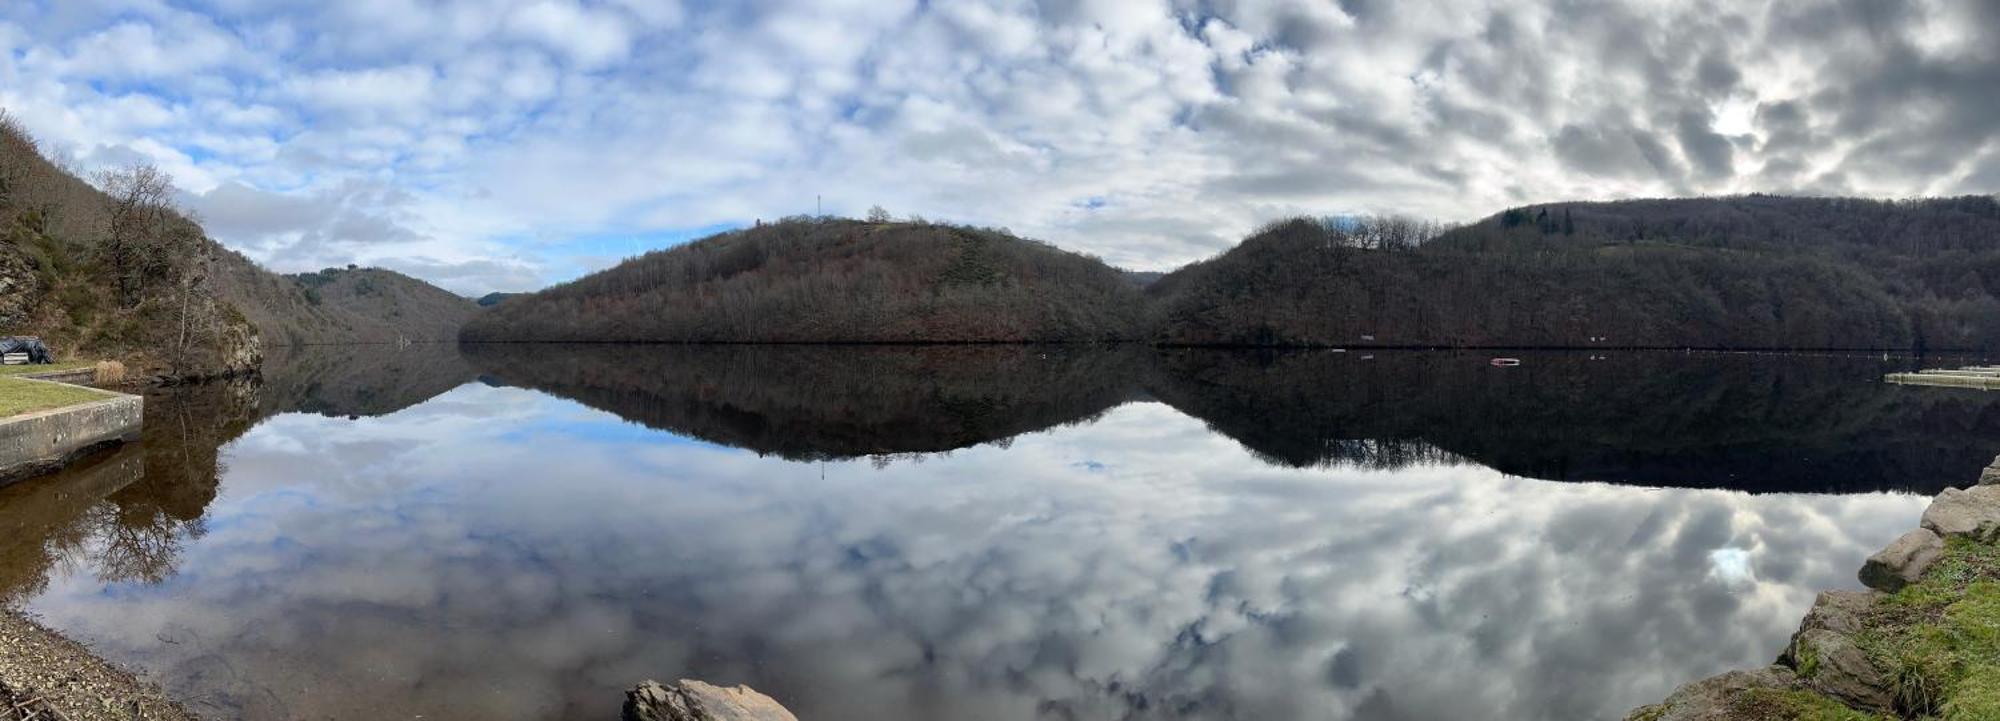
x,y
1982,377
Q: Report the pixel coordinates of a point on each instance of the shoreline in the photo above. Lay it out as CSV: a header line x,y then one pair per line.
x,y
1918,643
1359,346
42,670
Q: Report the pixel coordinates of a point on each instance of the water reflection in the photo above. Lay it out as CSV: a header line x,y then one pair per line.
x,y
1714,420
1126,535
1760,423
366,380
817,402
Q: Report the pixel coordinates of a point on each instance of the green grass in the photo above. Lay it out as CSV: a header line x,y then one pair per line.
x,y
31,368
21,396
1777,705
1939,639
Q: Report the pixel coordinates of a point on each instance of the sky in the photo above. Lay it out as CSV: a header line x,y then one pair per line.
x,y
502,145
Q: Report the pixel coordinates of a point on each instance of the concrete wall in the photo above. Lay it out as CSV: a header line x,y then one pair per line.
x,y
74,376
37,443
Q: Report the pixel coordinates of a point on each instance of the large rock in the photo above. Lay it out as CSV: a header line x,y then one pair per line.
x,y
1830,663
1824,656
1715,698
20,288
1839,611
696,701
1974,513
1903,562
1991,475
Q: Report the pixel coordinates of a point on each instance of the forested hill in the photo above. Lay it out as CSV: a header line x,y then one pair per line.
x,y
352,305
1741,272
114,270
830,280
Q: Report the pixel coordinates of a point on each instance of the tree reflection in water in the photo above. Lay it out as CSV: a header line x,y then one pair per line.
x,y
1132,561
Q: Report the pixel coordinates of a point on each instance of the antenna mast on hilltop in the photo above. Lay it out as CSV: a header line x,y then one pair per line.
x,y
819,208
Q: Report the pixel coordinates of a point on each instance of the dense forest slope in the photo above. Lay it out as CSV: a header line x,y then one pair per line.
x,y
115,270
1742,272
826,280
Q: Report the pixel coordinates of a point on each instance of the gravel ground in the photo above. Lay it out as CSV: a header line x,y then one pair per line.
x,y
40,671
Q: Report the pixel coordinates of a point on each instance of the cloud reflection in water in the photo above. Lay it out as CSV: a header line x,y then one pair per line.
x,y
497,553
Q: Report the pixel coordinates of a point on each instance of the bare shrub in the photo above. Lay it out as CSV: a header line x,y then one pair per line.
x,y
108,373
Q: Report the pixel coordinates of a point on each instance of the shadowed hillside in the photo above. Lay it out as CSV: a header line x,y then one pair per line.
x,y
813,403
1745,272
115,269
833,281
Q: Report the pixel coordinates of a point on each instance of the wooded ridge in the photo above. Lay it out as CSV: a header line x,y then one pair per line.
x,y
1745,272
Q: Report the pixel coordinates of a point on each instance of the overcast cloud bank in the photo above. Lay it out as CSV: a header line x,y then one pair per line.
x,y
503,145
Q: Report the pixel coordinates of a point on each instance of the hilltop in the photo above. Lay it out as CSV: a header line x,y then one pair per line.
x,y
834,281
114,269
1740,272
345,305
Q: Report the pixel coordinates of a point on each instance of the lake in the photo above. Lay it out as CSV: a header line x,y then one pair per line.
x,y
522,532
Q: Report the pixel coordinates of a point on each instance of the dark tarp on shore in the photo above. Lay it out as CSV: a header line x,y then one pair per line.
x,y
37,352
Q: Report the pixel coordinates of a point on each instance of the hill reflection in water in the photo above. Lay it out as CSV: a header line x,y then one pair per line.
x,y
1761,423
892,533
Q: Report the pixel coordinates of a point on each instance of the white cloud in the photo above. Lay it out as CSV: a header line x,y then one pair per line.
x,y
1193,122
1141,552
590,38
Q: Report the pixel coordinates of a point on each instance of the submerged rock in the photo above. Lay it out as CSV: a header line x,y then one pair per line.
x,y
688,700
1903,562
1973,512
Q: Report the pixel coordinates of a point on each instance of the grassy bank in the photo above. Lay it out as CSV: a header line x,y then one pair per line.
x,y
1939,639
19,396
22,370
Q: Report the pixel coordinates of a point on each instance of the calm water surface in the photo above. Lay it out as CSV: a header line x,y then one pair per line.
x,y
991,533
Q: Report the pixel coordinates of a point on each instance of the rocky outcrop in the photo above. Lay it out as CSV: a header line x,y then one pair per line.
x,y
1825,659
688,700
1973,513
1991,475
1903,562
20,290
1716,698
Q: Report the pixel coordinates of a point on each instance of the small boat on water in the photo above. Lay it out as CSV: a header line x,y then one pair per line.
x,y
1505,362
